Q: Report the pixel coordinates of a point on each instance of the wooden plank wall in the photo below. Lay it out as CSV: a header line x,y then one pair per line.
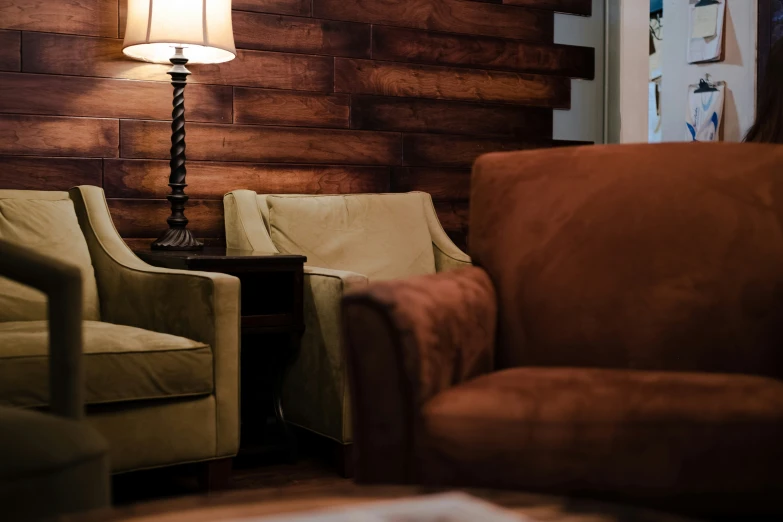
x,y
325,96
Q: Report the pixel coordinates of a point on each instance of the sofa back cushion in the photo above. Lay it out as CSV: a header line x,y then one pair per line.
x,y
47,223
383,236
655,257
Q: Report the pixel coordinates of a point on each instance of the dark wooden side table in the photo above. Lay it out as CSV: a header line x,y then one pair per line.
x,y
272,325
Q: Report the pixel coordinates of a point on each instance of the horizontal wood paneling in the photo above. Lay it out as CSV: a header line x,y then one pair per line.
x,y
10,50
89,17
324,96
149,139
52,136
454,16
99,97
453,216
81,56
461,151
147,217
410,45
416,115
301,35
580,7
275,107
441,183
286,7
426,81
126,178
32,173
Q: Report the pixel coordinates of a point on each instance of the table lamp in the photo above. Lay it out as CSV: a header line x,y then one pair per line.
x,y
179,32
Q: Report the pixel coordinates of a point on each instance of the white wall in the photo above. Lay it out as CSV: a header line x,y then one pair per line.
x,y
585,120
738,69
628,64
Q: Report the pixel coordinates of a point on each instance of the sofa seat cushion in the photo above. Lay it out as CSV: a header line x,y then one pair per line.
x,y
121,363
631,433
382,236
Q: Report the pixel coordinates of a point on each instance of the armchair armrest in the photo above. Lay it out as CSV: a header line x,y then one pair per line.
x,y
323,292
321,358
448,256
407,341
62,284
197,305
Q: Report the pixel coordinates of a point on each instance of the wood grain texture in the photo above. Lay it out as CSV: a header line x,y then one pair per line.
x,y
149,139
579,7
275,107
427,81
147,217
10,50
52,136
286,7
441,183
445,150
324,96
454,16
82,56
454,216
88,17
98,97
208,180
32,173
301,35
410,45
415,115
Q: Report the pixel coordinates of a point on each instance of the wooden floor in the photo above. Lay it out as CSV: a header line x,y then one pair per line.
x,y
306,473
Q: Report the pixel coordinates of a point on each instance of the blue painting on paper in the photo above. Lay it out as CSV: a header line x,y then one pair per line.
x,y
777,20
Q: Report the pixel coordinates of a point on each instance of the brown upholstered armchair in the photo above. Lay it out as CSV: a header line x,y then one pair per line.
x,y
621,335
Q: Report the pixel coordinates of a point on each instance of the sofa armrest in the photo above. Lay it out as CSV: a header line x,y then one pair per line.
x,y
407,341
62,284
197,305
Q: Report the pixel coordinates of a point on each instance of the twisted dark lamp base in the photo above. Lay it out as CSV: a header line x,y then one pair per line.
x,y
178,237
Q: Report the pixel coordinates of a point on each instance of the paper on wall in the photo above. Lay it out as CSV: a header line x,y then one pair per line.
x,y
705,113
705,21
710,48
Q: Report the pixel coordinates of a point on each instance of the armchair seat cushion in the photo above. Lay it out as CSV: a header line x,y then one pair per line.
x,y
121,364
624,432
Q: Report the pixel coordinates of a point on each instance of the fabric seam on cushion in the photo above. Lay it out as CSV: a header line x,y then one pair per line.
x,y
168,350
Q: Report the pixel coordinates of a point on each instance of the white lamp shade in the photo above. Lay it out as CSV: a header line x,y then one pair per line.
x,y
202,27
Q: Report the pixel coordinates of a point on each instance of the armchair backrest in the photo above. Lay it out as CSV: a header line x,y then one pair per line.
x,y
45,222
383,236
656,257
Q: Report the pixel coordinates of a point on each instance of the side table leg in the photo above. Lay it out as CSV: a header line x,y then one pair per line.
x,y
277,404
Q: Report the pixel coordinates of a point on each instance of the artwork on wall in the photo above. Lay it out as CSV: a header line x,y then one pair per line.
x,y
770,31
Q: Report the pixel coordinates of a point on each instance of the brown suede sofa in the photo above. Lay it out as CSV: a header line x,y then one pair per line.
x,y
621,335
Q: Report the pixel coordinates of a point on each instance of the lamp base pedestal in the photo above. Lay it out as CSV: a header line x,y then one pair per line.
x,y
177,239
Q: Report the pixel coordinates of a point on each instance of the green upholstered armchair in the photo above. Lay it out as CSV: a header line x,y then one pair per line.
x,y
161,347
348,240
56,464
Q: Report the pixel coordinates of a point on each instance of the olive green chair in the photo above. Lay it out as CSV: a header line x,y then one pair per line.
x,y
161,347
348,240
52,463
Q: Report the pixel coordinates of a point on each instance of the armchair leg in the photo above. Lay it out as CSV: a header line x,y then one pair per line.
x,y
344,458
215,475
